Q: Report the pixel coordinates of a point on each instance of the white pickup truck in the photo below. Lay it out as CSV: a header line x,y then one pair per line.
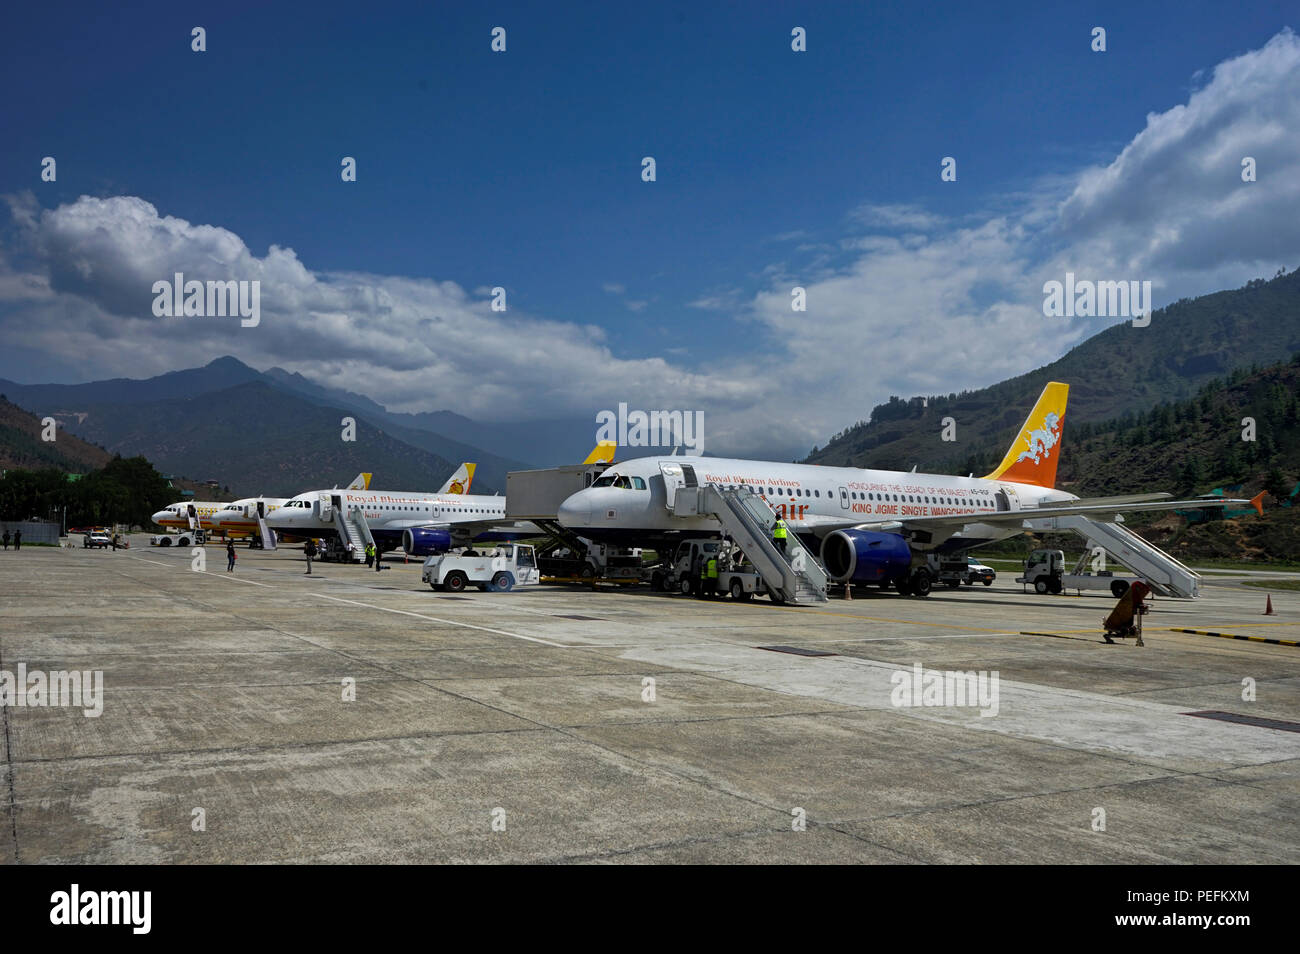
x,y
494,569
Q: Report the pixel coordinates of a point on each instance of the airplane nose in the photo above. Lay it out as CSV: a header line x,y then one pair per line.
x,y
576,510
161,515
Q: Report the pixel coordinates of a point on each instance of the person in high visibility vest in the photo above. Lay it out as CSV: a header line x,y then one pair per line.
x,y
370,553
779,534
709,577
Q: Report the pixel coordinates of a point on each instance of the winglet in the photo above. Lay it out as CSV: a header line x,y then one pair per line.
x,y
1033,455
1257,502
602,453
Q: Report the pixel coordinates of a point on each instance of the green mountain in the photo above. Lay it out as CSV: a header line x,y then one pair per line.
x,y
1120,370
21,445
258,439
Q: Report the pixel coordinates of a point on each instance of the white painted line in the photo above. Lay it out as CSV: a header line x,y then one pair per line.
x,y
154,562
233,578
449,622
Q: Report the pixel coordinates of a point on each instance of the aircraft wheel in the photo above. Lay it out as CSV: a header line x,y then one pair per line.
x,y
1040,586
1119,588
921,583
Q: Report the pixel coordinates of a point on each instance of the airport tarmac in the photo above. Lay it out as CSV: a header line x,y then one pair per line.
x,y
520,727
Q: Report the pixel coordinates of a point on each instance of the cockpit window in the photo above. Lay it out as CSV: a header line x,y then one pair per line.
x,y
620,481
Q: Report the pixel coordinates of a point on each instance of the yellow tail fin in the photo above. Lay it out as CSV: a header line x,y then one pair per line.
x,y
1033,455
602,453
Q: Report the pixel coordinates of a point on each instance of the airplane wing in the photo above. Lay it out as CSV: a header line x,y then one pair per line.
x,y
1096,507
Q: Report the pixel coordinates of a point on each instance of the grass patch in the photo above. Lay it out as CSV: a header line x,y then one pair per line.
x,y
1274,584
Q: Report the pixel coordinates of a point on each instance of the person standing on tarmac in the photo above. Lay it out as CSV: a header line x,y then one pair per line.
x,y
779,533
377,566
370,554
309,551
711,576
18,539
6,538
230,556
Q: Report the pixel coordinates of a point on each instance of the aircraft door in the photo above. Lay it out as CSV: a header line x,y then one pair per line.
x,y
326,508
673,479
1003,504
261,508
844,498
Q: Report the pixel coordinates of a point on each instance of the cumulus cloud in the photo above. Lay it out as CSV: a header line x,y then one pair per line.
x,y
906,302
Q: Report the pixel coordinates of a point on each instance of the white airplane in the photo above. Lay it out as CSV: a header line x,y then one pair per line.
x,y
239,518
865,524
419,523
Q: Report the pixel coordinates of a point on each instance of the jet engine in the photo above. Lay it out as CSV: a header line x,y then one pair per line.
x,y
423,541
864,556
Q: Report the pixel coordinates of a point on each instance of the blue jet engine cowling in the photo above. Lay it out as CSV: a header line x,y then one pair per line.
x,y
424,541
864,556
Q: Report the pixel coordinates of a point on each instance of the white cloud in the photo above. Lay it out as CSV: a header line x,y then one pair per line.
x,y
919,305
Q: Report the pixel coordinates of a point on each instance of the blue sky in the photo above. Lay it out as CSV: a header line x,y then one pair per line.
x,y
522,169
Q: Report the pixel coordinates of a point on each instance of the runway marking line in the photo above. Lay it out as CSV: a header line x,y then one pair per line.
x,y
449,622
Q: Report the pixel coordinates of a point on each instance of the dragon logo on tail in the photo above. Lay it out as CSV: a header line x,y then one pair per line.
x,y
1042,440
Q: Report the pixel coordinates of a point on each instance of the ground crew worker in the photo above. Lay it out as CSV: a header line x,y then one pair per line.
x,y
378,567
309,551
711,576
779,534
230,556
370,553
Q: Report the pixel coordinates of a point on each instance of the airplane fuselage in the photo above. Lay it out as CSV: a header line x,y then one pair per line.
x,y
628,504
389,513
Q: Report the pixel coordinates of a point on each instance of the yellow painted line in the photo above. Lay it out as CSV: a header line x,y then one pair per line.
x,y
1288,623
888,619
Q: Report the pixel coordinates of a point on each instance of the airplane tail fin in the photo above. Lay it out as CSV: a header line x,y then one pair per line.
x,y
458,483
1033,455
359,482
602,453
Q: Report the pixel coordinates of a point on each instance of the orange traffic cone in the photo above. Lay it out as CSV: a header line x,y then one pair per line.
x,y
1268,610
848,591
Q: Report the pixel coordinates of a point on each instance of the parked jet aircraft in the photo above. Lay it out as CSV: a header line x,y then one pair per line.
x,y
862,522
420,523
240,518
